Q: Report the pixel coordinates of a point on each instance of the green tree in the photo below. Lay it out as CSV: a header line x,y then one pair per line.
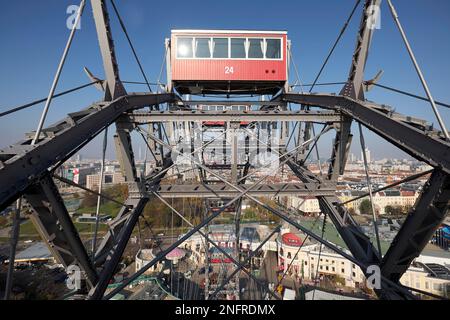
x,y
365,207
407,209
249,213
118,192
4,221
394,210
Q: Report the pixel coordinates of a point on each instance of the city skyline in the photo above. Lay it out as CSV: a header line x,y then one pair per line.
x,y
18,85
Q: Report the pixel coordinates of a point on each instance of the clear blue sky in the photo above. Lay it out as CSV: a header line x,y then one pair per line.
x,y
33,35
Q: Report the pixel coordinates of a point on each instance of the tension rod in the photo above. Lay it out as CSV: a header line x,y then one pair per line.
x,y
418,70
100,190
369,186
58,73
15,230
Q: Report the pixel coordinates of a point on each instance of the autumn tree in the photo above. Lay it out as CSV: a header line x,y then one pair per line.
x,y
89,200
393,210
365,207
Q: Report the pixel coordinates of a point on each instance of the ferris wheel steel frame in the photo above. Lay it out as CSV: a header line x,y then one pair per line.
x,y
27,170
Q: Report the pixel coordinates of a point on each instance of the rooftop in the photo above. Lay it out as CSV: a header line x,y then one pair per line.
x,y
435,251
38,251
438,270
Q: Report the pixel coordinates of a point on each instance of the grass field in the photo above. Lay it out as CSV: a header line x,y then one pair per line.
x,y
28,231
333,236
108,208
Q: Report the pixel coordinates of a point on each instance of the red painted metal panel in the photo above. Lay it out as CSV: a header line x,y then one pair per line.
x,y
241,70
229,69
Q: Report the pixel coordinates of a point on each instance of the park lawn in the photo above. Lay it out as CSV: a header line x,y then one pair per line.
x,y
332,235
108,208
27,229
89,227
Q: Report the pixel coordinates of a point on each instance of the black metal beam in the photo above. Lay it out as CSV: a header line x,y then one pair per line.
x,y
353,89
111,238
76,185
355,239
233,116
428,213
115,254
114,87
249,257
51,219
419,144
390,186
221,190
22,164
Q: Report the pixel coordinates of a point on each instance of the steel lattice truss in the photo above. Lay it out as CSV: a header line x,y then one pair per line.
x,y
29,170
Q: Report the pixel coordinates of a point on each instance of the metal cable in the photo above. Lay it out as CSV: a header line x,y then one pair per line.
x,y
162,67
15,231
369,186
58,73
328,58
297,75
406,93
320,253
410,178
419,71
335,44
30,104
100,189
124,29
296,254
73,184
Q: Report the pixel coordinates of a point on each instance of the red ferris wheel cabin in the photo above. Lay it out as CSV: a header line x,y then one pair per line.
x,y
228,61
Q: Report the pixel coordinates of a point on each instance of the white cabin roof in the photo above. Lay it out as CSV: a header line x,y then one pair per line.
x,y
216,31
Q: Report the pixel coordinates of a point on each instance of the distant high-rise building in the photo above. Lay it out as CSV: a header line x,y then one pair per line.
x,y
369,159
93,180
110,169
352,158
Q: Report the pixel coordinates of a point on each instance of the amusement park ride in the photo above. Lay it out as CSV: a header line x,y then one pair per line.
x,y
227,66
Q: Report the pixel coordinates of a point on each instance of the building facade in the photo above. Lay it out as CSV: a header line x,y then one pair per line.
x,y
432,276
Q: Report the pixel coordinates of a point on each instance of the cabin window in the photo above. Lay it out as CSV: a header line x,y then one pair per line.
x,y
255,48
225,48
273,48
238,48
220,47
202,48
184,48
